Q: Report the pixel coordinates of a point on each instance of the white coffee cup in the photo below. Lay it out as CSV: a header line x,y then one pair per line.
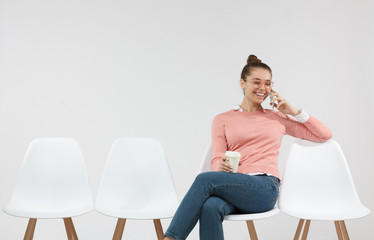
x,y
234,159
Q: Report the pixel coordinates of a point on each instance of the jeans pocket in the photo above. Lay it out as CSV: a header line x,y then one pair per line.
x,y
274,198
272,202
275,188
275,180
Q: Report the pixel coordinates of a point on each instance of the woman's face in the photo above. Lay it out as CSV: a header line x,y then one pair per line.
x,y
257,86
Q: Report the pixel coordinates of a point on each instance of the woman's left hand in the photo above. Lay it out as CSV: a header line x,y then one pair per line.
x,y
283,105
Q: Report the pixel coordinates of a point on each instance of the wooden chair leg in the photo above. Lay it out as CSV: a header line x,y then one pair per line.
x,y
306,229
119,229
69,232
159,230
72,229
252,230
29,234
298,230
338,230
344,230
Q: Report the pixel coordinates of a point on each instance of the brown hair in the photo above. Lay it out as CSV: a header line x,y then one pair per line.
x,y
253,62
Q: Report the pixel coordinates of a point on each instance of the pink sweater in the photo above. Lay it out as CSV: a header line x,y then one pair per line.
x,y
258,135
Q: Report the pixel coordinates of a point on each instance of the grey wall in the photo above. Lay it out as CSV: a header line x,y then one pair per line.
x,y
99,70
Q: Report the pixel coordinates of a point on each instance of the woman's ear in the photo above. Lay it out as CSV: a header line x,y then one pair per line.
x,y
242,83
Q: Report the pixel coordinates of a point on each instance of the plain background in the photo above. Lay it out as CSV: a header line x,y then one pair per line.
x,y
99,70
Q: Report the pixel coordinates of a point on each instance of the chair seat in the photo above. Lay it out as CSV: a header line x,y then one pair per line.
x,y
139,214
49,208
330,214
252,216
44,212
151,210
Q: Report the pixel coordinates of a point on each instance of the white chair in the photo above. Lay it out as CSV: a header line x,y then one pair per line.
x,y
137,184
205,167
53,183
318,185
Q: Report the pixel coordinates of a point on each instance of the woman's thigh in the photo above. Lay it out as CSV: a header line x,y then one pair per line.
x,y
247,193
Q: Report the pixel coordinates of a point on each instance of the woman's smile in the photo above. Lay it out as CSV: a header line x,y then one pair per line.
x,y
260,95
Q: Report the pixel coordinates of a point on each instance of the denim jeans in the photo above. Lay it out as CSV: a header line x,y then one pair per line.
x,y
213,195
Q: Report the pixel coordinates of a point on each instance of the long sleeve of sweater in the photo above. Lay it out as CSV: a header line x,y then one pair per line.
x,y
257,136
312,130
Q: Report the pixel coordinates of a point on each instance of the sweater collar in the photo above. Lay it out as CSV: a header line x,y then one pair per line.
x,y
237,107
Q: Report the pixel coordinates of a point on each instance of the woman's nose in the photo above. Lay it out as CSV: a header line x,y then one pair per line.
x,y
262,85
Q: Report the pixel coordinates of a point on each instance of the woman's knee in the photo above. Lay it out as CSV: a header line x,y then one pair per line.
x,y
213,206
205,177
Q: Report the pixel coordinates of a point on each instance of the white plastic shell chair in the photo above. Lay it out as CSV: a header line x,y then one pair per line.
x,y
317,184
205,167
137,184
53,183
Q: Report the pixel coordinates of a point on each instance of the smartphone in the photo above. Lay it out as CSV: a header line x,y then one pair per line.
x,y
271,99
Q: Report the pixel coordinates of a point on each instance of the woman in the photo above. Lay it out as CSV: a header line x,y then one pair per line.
x,y
256,133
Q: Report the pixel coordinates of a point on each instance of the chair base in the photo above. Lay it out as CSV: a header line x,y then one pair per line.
x,y
70,230
69,226
118,232
252,230
29,235
340,227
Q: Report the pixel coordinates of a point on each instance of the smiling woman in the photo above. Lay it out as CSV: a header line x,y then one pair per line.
x,y
255,133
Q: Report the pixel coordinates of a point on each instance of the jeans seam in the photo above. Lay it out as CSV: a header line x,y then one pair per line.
x,y
222,206
275,180
246,185
272,201
198,216
275,197
174,237
192,227
221,212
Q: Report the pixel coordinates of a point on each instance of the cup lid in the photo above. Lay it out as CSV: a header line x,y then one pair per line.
x,y
232,154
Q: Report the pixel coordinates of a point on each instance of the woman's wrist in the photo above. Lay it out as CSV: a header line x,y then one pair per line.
x,y
296,112
302,116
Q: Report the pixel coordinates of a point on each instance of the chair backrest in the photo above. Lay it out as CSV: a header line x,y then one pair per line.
x,y
53,178
317,178
206,160
136,175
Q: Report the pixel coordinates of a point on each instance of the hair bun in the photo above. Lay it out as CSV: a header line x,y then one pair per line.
x,y
253,59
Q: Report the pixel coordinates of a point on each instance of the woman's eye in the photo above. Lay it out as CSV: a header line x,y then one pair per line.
x,y
257,83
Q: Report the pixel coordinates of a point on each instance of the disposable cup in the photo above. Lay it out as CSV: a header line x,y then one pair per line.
x,y
234,159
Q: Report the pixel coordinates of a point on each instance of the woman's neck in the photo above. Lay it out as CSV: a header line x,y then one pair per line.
x,y
249,106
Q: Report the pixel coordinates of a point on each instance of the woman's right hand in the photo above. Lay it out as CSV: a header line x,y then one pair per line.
x,y
224,165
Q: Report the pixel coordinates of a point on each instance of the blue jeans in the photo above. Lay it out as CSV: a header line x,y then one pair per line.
x,y
213,195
